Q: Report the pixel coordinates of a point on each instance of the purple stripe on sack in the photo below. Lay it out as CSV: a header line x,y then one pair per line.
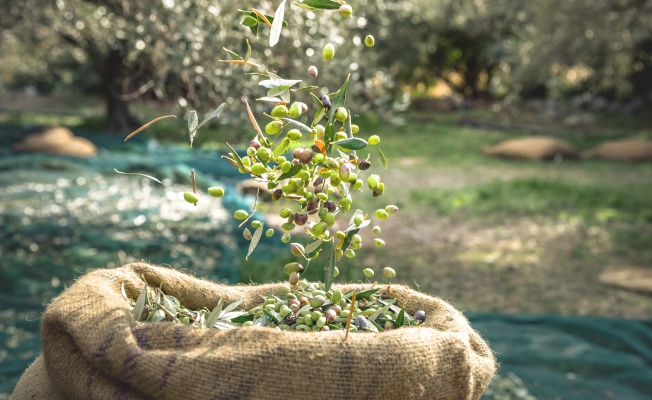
x,y
120,392
89,384
166,373
101,353
129,366
178,336
141,339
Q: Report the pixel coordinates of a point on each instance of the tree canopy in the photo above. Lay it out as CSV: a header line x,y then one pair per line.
x,y
170,49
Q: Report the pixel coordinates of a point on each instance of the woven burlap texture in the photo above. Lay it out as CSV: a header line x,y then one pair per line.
x,y
93,349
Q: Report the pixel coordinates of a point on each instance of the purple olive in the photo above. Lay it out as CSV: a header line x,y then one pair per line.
x,y
330,206
305,156
325,101
301,219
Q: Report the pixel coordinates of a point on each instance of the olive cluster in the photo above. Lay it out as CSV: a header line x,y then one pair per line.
x,y
312,160
319,173
308,307
302,307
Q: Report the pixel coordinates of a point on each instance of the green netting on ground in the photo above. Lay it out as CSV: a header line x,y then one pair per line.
x,y
573,357
61,216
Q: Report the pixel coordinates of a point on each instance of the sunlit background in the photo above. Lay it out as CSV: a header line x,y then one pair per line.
x,y
549,254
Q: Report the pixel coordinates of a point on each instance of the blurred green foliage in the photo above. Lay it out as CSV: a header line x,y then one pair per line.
x,y
124,50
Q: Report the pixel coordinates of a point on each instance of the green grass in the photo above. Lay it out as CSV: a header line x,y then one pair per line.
x,y
535,196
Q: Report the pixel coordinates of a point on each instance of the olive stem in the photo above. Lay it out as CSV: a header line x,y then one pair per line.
x,y
253,211
348,321
253,119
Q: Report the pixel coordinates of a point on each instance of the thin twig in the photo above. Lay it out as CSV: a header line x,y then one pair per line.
x,y
142,128
348,321
262,16
252,211
194,184
253,119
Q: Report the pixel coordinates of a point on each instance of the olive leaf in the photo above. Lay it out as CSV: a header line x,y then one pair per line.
x,y
246,57
293,171
400,319
321,111
375,327
253,18
215,314
280,149
338,99
274,81
285,96
249,21
297,125
277,25
214,114
270,99
237,157
305,88
233,54
278,90
231,307
312,247
221,317
318,4
329,270
273,315
140,304
262,321
364,294
254,241
382,310
139,174
242,318
122,291
355,214
347,125
344,191
353,143
382,158
356,228
192,125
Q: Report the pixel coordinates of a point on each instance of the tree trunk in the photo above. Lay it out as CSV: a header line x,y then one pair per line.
x,y
111,70
120,119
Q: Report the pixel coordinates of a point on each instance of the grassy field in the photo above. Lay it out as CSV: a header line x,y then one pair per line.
x,y
509,236
489,234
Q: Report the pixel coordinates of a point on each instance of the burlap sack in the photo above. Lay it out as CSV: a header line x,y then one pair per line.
x,y
623,150
93,349
56,140
533,148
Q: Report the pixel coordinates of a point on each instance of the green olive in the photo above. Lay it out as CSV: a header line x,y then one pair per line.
x,y
328,52
190,197
389,272
240,214
280,111
216,191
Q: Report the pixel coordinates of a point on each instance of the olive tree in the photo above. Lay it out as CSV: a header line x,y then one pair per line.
x,y
172,49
